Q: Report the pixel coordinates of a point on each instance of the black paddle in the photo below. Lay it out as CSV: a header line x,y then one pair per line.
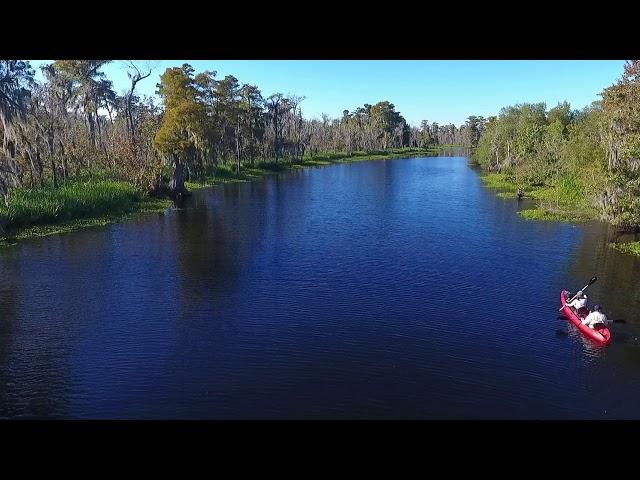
x,y
591,282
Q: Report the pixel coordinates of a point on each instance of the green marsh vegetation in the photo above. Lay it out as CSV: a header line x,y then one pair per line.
x,y
577,164
632,248
227,174
75,153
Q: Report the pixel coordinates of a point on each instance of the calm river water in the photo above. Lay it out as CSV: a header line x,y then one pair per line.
x,y
381,289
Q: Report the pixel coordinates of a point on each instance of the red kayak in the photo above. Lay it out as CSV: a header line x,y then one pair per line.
x,y
600,334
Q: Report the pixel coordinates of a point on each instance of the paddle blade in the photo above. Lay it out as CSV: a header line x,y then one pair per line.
x,y
593,280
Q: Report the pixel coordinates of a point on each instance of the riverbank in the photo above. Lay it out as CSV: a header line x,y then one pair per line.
x,y
632,248
259,170
563,202
76,205
98,201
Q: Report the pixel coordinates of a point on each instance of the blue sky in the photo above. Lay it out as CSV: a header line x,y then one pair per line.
x,y
436,90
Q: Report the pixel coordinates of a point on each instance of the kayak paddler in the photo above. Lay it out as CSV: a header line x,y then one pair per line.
x,y
579,303
596,317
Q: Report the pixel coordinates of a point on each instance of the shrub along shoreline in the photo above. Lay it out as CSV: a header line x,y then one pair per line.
x,y
76,205
259,170
578,165
561,202
98,201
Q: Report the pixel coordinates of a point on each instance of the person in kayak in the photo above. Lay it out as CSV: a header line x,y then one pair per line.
x,y
579,303
596,317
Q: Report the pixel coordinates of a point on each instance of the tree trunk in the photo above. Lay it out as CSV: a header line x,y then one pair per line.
x,y
32,166
252,144
176,185
238,146
53,171
99,129
65,169
130,126
40,168
91,126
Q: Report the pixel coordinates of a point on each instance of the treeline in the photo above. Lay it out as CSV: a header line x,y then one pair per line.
x,y
587,158
379,127
74,124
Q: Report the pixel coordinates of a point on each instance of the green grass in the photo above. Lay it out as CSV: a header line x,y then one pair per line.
x,y
566,192
95,200
546,214
564,201
632,248
227,173
500,181
73,206
72,200
155,205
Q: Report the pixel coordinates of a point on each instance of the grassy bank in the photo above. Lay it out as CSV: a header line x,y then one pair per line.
x,y
563,201
632,248
99,201
248,172
73,206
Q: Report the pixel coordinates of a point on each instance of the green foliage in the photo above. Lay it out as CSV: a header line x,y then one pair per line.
x,y
553,215
562,116
569,190
146,206
73,200
182,132
632,248
500,181
563,201
556,157
621,112
248,171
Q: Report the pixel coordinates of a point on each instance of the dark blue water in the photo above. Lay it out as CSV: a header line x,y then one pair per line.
x,y
384,289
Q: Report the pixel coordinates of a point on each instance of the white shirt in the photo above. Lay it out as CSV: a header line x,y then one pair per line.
x,y
595,317
579,302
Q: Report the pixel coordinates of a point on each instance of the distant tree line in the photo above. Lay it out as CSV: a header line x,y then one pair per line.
x,y
74,123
